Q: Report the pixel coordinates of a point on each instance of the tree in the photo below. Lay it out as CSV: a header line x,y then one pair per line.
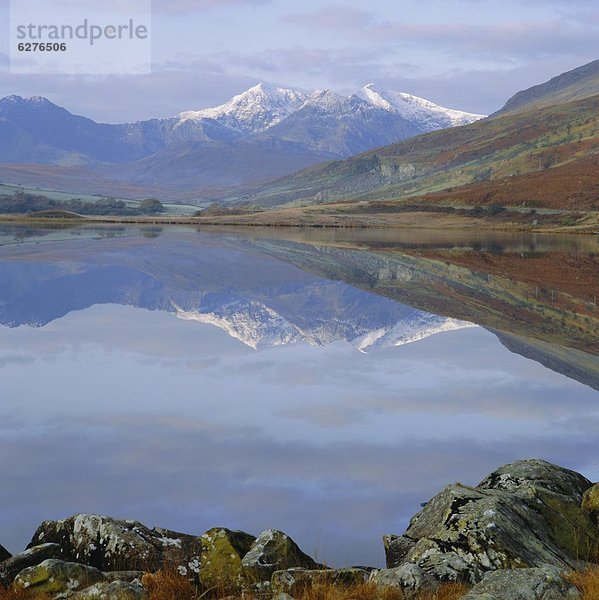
x,y
151,206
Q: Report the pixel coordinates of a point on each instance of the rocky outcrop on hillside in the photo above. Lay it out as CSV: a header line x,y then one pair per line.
x,y
514,536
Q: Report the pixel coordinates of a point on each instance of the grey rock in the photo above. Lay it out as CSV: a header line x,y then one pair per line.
x,y
536,473
397,548
4,553
115,590
112,545
56,576
526,514
409,577
282,596
221,555
541,583
295,581
273,551
11,567
126,576
590,503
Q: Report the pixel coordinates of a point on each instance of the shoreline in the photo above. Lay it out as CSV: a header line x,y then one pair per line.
x,y
317,219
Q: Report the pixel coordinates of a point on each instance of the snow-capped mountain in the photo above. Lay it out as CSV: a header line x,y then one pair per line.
x,y
425,115
328,122
264,132
253,111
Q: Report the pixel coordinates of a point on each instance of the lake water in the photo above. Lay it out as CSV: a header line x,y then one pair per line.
x,y
324,383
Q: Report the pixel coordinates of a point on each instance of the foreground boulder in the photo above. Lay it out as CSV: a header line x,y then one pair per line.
x,y
116,590
221,555
296,581
4,553
56,576
11,567
409,577
544,583
114,545
273,551
590,503
397,548
526,514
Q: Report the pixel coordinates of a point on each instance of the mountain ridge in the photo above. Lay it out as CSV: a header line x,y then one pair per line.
x,y
278,130
576,84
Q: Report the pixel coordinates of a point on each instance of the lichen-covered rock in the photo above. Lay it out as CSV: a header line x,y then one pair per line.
x,y
221,555
542,583
4,553
397,548
409,577
590,503
538,473
11,567
523,515
296,581
113,545
125,576
115,590
56,576
273,551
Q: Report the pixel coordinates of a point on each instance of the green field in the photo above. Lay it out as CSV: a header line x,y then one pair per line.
x,y
170,209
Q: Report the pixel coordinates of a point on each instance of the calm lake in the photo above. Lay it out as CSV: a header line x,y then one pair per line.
x,y
324,383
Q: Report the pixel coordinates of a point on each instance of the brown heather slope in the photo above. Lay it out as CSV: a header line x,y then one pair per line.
x,y
514,146
574,185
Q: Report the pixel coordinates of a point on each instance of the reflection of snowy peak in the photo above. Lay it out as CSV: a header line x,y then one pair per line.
x,y
259,326
250,322
405,332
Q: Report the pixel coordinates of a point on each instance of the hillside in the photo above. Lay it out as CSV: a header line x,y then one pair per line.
x,y
573,85
533,143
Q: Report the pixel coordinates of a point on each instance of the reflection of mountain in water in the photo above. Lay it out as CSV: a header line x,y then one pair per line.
x,y
258,325
272,292
259,300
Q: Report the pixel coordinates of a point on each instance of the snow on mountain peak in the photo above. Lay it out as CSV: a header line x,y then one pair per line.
x,y
254,110
425,114
264,105
328,100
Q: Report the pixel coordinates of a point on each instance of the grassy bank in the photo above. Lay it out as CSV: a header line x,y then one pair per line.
x,y
362,215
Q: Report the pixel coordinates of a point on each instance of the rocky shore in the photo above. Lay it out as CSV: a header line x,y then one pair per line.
x,y
516,535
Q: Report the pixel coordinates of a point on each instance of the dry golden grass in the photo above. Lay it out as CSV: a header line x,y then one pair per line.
x,y
587,582
168,585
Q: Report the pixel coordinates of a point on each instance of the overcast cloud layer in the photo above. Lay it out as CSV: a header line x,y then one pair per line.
x,y
464,54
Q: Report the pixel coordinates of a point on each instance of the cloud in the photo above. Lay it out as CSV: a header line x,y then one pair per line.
x,y
169,90
185,6
161,6
509,39
333,18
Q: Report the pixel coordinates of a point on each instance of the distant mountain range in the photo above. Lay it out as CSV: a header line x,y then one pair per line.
x,y
265,132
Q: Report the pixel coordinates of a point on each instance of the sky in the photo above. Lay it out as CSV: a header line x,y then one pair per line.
x,y
466,54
